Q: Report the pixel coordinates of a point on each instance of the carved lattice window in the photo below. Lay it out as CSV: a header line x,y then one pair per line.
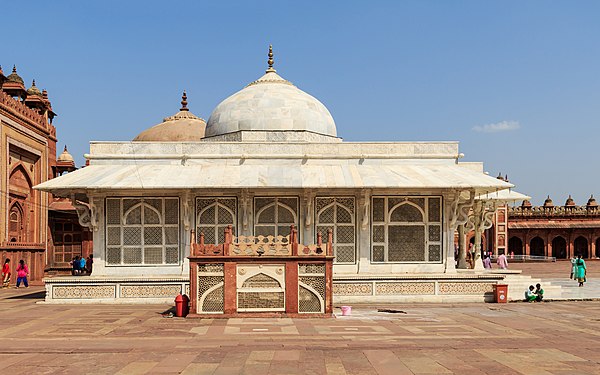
x,y
338,214
142,231
406,229
213,215
275,215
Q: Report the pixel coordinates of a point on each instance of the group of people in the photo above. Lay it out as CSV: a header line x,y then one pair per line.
x,y
578,270
82,266
534,294
22,273
502,262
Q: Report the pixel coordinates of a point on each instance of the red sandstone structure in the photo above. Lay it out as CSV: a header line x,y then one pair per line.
x,y
27,158
555,231
261,275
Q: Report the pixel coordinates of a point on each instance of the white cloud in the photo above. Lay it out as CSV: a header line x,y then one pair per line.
x,y
502,126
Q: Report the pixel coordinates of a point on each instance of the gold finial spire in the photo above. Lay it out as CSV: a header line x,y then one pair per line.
x,y
270,61
184,102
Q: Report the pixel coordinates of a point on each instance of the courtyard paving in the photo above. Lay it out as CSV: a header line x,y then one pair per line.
x,y
515,338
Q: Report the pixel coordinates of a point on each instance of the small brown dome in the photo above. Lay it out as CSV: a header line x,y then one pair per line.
x,y
526,204
14,77
33,90
548,202
570,202
592,202
183,126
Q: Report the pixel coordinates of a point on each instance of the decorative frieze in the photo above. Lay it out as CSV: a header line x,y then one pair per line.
x,y
405,288
465,288
149,291
83,292
353,289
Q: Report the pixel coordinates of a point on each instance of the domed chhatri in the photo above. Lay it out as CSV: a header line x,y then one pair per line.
x,y
183,126
570,202
65,157
33,90
271,104
548,202
14,77
592,202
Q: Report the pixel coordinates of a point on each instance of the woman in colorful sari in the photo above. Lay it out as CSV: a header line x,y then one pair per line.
x,y
581,270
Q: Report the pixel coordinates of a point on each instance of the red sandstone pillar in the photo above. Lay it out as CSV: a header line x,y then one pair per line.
x,y
291,287
230,288
193,288
329,287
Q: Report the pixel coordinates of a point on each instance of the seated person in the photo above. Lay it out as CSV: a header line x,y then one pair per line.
x,y
82,265
529,295
76,266
539,292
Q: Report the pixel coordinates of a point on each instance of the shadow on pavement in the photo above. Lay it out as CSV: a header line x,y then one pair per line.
x,y
34,295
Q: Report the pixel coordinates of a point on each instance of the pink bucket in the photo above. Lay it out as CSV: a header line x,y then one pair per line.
x,y
346,310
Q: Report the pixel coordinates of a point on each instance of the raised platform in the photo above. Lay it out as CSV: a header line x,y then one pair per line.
x,y
463,286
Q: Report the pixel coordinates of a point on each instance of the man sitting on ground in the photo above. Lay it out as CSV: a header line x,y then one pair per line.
x,y
529,295
539,293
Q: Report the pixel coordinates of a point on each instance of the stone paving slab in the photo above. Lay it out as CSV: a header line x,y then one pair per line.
x,y
515,338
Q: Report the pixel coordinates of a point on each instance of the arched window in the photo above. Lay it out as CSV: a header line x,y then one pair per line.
x,y
142,231
581,247
515,246
559,248
213,215
536,247
337,214
275,215
598,248
406,229
15,223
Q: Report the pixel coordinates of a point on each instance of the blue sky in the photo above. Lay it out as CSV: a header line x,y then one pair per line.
x,y
517,83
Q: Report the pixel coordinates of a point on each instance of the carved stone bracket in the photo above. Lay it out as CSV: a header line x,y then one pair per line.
x,y
365,209
459,210
245,200
308,203
86,212
187,212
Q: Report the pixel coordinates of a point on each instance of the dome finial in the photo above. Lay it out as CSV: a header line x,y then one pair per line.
x,y
14,68
65,150
270,61
33,83
184,102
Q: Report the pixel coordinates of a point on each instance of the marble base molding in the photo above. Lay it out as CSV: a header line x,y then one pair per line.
x,y
114,290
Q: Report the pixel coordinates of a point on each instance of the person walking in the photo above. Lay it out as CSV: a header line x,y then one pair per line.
x,y
22,272
573,268
487,263
580,270
6,273
502,261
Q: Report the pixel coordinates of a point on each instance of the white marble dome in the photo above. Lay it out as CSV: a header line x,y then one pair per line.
x,y
270,104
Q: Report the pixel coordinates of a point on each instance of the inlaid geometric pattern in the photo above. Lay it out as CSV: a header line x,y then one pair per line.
x,y
261,300
210,287
150,291
337,214
353,289
274,215
403,229
140,230
464,288
83,292
213,215
308,302
405,288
